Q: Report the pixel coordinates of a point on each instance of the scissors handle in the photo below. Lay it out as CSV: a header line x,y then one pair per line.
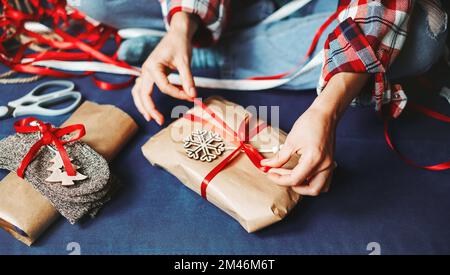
x,y
35,104
6,111
33,96
39,108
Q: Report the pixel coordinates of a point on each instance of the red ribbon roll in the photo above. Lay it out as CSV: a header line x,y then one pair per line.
x,y
50,136
242,136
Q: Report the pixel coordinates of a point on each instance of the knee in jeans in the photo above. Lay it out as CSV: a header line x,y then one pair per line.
x,y
432,53
433,44
94,9
423,47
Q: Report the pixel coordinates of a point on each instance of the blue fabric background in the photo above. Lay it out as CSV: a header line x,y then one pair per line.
x,y
375,197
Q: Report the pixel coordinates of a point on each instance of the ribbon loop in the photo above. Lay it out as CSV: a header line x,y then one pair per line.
x,y
427,112
84,45
49,136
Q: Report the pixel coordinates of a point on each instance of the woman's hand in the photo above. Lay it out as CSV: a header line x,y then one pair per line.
x,y
172,53
313,138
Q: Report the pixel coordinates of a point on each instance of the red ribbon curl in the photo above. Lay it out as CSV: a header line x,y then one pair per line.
x,y
427,112
88,43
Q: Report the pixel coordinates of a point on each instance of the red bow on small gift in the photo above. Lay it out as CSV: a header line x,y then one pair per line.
x,y
49,136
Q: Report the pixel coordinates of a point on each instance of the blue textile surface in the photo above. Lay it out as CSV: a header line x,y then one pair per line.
x,y
375,196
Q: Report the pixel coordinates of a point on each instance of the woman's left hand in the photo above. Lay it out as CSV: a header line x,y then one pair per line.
x,y
313,138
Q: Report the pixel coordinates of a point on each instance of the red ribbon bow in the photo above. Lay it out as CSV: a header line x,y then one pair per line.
x,y
243,136
50,136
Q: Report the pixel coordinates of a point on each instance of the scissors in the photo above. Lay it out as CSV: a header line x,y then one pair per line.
x,y
36,102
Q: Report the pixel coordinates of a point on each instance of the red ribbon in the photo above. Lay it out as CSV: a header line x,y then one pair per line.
x,y
311,48
242,137
50,136
430,113
95,37
244,134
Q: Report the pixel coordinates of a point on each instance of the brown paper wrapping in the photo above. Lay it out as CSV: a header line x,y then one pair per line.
x,y
241,190
22,208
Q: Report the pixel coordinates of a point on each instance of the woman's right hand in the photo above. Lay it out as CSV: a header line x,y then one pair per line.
x,y
313,138
173,53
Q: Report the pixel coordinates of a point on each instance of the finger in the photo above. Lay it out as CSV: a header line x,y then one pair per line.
x,y
280,158
280,171
324,166
146,98
150,106
327,185
160,77
284,171
330,177
137,99
186,78
305,167
316,185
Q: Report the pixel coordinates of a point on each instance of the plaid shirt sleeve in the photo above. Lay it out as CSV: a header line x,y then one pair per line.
x,y
212,15
367,40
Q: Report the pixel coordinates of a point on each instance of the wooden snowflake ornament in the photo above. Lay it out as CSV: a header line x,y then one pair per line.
x,y
60,175
204,145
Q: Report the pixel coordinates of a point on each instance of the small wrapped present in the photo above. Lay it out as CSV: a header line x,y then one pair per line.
x,y
214,150
37,195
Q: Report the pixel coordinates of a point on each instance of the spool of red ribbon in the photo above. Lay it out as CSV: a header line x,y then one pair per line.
x,y
49,136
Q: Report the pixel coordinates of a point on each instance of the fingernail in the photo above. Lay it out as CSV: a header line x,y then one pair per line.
x,y
191,92
147,117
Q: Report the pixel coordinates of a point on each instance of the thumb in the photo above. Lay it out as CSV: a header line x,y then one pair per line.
x,y
280,158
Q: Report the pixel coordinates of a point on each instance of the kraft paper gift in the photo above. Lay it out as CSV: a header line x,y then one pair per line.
x,y
241,189
24,212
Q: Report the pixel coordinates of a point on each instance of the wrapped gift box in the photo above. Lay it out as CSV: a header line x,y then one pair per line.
x,y
26,213
240,188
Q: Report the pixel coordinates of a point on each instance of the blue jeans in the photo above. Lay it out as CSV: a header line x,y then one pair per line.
x,y
250,49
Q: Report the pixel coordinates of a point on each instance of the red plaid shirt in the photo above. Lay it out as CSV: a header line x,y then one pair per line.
x,y
212,14
367,40
369,37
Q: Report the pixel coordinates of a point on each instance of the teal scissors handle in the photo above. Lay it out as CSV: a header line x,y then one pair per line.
x,y
34,104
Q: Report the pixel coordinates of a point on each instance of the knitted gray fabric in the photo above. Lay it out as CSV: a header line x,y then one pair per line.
x,y
73,202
